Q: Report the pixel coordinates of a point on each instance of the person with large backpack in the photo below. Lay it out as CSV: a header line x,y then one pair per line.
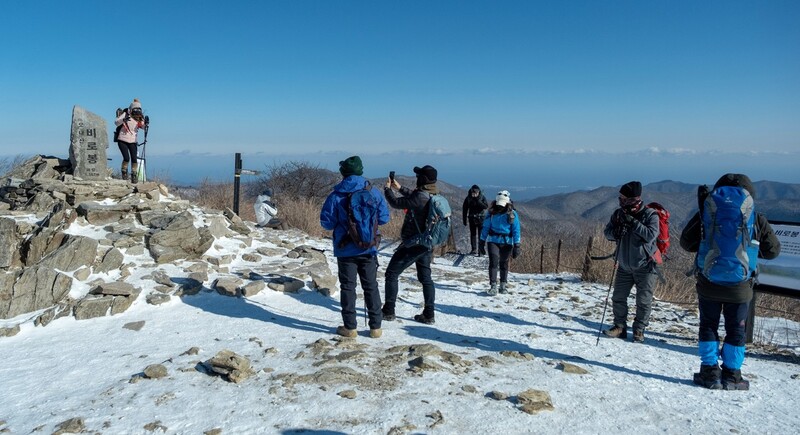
x,y
474,211
728,236
353,211
501,233
635,229
128,123
427,215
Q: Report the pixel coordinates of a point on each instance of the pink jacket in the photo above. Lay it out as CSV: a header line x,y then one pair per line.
x,y
129,130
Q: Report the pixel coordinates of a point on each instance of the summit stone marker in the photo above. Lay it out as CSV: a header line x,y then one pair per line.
x,y
88,145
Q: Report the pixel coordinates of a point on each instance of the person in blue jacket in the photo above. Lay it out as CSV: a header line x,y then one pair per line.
x,y
501,232
353,260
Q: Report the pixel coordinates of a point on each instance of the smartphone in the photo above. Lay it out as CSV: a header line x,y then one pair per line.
x,y
391,175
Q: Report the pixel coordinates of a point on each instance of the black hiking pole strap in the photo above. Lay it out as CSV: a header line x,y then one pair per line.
x,y
608,294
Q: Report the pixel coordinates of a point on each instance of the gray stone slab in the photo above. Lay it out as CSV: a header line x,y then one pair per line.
x,y
88,145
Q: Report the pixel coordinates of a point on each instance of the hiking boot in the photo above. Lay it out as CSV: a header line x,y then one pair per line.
x,y
638,336
617,332
473,252
344,332
388,315
709,377
492,289
123,170
502,288
375,333
733,380
422,318
135,173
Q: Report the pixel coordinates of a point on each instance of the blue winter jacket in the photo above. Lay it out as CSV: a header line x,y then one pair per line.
x,y
333,215
497,229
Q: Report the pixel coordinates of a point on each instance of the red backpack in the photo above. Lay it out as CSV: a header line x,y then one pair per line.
x,y
662,242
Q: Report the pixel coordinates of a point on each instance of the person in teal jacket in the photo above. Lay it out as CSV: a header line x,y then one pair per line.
x,y
501,232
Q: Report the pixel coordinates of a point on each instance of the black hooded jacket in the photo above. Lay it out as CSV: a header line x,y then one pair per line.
x,y
474,207
769,247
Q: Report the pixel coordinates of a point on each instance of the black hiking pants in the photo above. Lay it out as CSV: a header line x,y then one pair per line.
x,y
401,260
498,258
475,228
366,268
128,151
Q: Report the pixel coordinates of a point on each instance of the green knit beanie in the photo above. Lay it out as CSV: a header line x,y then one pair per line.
x,y
351,166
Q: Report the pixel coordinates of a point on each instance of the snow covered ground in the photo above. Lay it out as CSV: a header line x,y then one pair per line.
x,y
486,348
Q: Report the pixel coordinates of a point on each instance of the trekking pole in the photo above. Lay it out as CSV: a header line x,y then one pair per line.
x,y
608,294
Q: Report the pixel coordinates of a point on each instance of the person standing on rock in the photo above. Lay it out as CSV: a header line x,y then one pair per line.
x,y
129,121
354,203
635,229
416,203
474,211
502,234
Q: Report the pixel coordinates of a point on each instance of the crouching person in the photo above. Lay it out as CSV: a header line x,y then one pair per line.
x,y
267,212
728,237
353,211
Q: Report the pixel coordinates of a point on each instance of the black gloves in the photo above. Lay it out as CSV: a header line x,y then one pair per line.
x,y
515,251
620,221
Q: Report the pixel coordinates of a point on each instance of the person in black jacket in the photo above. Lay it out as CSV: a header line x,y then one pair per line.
x,y
416,203
635,229
474,211
731,301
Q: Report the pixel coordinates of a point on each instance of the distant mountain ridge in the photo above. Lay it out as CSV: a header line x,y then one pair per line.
x,y
779,201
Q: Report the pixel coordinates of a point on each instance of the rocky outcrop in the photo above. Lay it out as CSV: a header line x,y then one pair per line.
x,y
175,237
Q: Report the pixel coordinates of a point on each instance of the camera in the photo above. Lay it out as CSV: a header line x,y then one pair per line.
x,y
391,175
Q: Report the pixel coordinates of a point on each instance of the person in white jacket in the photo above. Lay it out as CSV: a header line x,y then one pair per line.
x,y
267,212
128,123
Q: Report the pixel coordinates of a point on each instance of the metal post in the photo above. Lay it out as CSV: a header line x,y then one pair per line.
x,y
558,255
237,172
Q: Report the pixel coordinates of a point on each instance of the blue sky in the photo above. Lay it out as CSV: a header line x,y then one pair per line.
x,y
393,81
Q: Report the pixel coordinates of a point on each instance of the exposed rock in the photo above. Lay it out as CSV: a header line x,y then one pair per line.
x,y
162,278
134,326
424,363
101,214
252,258
114,288
155,371
176,238
327,284
155,426
91,307
306,251
571,368
235,368
121,303
286,284
9,242
82,274
88,143
157,298
497,395
218,227
189,286
215,431
38,287
517,354
9,332
73,425
228,286
192,351
221,260
347,394
60,310
236,222
533,401
253,288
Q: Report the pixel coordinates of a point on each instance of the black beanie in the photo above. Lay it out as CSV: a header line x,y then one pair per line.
x,y
425,175
351,166
738,180
631,189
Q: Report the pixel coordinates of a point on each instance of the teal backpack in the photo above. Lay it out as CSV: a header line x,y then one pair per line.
x,y
437,224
